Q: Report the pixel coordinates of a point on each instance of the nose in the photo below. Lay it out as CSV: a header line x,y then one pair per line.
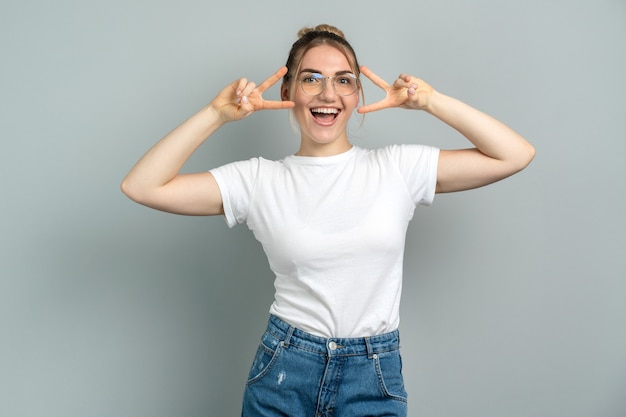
x,y
328,91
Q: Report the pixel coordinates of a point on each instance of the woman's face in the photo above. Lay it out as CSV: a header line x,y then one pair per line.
x,y
322,118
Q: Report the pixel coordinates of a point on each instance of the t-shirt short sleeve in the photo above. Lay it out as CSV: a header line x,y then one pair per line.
x,y
237,181
418,166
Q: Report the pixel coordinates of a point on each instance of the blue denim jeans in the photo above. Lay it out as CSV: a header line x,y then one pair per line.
x,y
296,374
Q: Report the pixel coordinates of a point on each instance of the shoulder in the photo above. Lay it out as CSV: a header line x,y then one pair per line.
x,y
400,153
251,166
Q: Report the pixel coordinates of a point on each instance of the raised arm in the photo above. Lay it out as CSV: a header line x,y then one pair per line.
x,y
155,180
498,150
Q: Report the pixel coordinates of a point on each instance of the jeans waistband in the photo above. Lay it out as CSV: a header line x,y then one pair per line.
x,y
371,345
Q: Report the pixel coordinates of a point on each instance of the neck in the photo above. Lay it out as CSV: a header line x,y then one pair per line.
x,y
310,148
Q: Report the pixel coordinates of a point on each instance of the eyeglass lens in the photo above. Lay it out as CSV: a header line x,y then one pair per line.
x,y
313,83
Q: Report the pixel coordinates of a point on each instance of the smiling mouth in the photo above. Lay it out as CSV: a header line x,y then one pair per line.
x,y
325,113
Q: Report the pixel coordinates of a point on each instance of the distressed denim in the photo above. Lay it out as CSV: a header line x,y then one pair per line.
x,y
296,374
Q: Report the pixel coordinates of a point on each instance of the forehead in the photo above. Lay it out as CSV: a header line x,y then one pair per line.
x,y
325,58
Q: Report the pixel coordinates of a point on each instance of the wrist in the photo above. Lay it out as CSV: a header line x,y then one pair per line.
x,y
212,115
434,104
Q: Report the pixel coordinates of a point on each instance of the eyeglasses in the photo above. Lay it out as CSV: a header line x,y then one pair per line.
x,y
313,83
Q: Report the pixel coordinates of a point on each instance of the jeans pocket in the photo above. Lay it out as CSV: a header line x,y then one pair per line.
x,y
264,360
389,372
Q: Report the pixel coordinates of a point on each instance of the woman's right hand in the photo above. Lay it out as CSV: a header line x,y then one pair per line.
x,y
242,97
156,181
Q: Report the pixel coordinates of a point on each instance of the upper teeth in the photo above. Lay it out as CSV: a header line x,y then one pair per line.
x,y
325,110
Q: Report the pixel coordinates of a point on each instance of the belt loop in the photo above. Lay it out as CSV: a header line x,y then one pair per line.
x,y
368,345
288,336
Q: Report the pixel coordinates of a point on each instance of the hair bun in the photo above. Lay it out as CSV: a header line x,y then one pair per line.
x,y
321,28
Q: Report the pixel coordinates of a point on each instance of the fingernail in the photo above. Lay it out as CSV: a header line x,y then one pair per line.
x,y
244,99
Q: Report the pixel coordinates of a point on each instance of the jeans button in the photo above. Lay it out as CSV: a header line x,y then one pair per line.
x,y
332,345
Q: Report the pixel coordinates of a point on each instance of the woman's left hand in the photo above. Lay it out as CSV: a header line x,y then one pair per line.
x,y
406,92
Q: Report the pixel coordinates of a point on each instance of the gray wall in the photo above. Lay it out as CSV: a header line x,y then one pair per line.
x,y
514,294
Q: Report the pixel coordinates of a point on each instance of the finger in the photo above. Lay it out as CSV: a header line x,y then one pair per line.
x,y
277,105
272,79
404,81
248,89
374,78
240,85
411,88
379,105
243,95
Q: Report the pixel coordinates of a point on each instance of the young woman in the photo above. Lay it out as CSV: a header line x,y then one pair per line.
x,y
332,220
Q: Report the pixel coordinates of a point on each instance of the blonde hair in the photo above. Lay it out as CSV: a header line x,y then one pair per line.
x,y
321,28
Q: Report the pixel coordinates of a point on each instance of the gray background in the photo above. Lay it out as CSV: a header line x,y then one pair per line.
x,y
514,293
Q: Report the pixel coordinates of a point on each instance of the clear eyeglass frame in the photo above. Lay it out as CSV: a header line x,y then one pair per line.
x,y
313,84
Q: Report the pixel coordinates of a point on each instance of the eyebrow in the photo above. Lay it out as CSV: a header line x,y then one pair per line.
x,y
314,71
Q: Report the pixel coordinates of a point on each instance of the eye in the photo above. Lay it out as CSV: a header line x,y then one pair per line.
x,y
345,80
308,78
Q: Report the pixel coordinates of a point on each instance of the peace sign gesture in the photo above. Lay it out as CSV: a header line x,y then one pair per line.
x,y
242,97
407,92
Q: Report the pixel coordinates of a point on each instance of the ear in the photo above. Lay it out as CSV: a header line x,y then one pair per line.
x,y
284,92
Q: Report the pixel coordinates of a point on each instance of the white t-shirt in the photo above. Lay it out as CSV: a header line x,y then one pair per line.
x,y
333,229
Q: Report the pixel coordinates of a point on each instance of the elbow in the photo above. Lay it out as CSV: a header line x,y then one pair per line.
x,y
141,193
529,155
125,188
523,157
130,190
